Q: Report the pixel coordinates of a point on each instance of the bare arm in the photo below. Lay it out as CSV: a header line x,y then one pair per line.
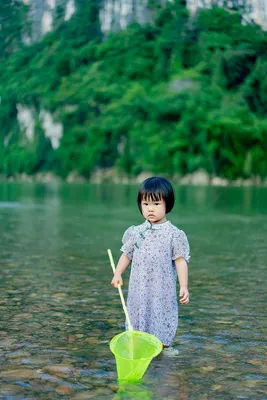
x,y
123,263
182,271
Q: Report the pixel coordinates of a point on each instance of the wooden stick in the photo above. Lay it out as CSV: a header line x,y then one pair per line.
x,y
120,292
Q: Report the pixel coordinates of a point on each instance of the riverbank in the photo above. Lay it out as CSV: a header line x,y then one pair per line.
x,y
111,175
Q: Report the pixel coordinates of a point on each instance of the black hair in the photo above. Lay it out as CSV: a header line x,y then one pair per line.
x,y
156,189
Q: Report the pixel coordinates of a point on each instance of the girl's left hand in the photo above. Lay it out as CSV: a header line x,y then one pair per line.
x,y
184,294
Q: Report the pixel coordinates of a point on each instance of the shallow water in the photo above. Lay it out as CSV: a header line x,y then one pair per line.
x,y
59,311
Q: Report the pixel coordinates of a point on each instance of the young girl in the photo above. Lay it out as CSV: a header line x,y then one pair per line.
x,y
158,251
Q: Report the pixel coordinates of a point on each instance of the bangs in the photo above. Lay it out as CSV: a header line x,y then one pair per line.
x,y
151,196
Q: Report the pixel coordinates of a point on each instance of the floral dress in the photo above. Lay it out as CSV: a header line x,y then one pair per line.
x,y
152,299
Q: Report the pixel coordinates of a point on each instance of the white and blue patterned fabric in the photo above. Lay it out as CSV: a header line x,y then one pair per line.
x,y
152,298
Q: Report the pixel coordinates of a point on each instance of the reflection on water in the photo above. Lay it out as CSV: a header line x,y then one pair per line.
x,y
59,311
133,391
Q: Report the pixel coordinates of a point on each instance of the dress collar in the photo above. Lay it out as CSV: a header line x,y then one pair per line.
x,y
163,225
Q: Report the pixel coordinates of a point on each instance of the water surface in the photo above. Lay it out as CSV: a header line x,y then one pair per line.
x,y
59,311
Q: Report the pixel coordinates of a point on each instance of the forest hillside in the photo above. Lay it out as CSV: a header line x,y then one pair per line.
x,y
182,94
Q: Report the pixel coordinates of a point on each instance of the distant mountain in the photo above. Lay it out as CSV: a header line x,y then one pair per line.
x,y
184,94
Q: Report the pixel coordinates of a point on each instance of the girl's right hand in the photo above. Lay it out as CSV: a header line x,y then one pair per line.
x,y
116,281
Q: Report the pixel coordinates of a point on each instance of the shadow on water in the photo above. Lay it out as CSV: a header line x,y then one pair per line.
x,y
59,311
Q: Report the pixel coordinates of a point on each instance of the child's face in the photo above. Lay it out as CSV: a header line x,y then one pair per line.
x,y
154,211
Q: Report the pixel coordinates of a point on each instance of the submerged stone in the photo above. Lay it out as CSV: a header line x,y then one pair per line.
x,y
20,374
61,370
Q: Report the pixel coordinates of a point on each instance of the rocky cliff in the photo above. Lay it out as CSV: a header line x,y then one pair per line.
x,y
43,14
113,14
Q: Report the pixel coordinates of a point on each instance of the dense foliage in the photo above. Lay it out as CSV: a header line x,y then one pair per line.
x,y
181,94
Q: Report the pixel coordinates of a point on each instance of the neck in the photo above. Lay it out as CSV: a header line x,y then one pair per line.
x,y
160,221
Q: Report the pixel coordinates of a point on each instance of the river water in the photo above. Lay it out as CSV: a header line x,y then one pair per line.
x,y
59,311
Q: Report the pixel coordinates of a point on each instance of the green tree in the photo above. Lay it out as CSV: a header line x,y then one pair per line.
x,y
12,18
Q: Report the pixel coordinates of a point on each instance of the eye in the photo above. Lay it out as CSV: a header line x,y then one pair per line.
x,y
145,204
156,204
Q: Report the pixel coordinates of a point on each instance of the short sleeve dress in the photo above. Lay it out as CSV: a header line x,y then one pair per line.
x,y
152,298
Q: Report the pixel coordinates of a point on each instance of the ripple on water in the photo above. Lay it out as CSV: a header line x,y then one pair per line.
x,y
4,204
